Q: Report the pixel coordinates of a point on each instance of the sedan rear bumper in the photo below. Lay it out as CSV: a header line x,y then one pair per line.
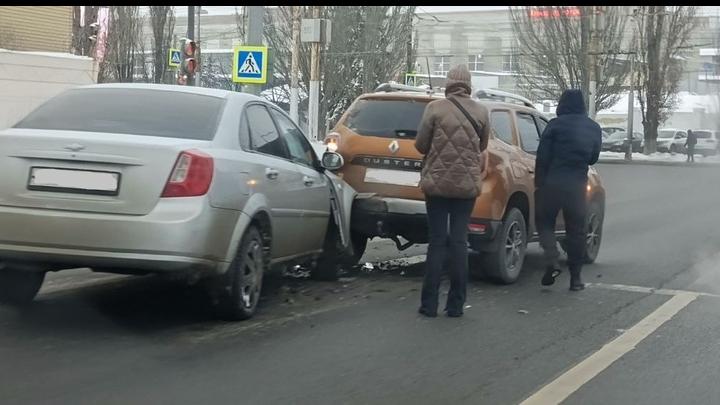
x,y
179,234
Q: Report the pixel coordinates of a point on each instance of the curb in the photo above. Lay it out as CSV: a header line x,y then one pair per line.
x,y
655,163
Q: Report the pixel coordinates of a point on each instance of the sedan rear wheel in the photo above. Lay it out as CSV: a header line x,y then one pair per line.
x,y
19,287
243,282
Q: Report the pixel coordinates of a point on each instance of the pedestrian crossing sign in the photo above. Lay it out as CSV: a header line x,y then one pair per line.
x,y
174,57
250,64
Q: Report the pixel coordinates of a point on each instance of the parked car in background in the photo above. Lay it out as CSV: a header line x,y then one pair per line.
x,y
707,142
671,140
617,142
376,136
186,181
612,130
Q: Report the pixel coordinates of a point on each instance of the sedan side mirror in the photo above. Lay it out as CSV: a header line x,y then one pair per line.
x,y
332,161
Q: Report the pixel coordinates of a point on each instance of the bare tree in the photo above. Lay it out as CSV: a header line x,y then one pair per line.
x,y
124,45
664,34
555,44
162,21
369,45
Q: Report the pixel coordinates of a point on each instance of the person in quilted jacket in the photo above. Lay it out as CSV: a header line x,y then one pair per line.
x,y
454,166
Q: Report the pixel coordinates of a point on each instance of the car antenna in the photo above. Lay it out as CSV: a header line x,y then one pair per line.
x,y
427,62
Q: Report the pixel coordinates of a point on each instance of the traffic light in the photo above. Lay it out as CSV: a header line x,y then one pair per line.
x,y
188,67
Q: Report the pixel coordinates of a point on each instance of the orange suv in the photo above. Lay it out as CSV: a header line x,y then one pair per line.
x,y
376,138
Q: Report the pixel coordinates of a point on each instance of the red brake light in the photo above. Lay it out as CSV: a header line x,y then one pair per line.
x,y
191,176
477,228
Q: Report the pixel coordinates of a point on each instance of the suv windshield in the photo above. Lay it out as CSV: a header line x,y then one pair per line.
x,y
666,134
385,118
151,112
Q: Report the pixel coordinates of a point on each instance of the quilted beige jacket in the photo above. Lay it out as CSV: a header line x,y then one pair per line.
x,y
453,162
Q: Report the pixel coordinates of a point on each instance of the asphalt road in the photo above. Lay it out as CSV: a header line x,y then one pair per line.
x,y
639,334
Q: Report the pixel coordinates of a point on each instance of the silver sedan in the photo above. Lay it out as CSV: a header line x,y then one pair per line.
x,y
138,179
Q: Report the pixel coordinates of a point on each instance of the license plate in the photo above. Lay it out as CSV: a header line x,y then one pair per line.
x,y
74,181
395,177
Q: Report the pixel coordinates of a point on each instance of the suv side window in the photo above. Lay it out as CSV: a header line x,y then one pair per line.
x,y
500,122
264,137
300,149
528,131
541,124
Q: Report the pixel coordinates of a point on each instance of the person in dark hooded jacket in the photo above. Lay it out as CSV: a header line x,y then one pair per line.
x,y
568,146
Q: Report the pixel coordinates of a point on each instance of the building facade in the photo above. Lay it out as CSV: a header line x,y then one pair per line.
x,y
485,40
36,28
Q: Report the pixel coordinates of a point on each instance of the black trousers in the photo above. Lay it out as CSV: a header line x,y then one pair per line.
x,y
691,153
571,199
448,220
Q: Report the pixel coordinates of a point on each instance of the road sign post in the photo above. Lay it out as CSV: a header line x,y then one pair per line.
x,y
250,64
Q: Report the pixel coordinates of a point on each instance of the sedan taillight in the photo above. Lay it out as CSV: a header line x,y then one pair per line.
x,y
191,176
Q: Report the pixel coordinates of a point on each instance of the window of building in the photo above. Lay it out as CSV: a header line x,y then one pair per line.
x,y
442,66
475,62
510,63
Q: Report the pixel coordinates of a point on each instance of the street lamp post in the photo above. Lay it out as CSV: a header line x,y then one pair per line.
x,y
631,93
200,12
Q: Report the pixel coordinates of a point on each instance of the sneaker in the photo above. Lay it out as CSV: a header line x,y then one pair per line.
x,y
576,283
427,313
551,273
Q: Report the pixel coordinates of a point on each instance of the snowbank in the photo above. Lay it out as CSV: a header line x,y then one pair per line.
x,y
657,157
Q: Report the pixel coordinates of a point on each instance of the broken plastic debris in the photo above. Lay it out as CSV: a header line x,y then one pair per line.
x,y
523,311
368,266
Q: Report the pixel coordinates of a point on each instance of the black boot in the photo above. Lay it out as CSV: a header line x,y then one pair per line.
x,y
576,283
552,271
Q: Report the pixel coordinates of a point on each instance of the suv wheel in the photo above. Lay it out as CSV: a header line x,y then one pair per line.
x,y
19,287
243,281
505,264
594,228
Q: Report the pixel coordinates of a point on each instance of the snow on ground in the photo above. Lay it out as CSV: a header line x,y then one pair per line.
x,y
657,157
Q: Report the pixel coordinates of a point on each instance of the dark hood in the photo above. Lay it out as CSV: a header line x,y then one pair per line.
x,y
571,102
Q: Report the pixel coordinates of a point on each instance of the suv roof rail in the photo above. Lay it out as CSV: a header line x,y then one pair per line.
x,y
392,87
499,95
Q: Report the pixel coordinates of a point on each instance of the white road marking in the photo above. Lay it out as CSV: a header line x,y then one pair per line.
x,y
562,387
648,290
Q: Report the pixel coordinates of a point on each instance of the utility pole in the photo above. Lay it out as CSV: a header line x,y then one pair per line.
x,y
191,32
256,14
631,93
314,107
199,46
294,79
594,48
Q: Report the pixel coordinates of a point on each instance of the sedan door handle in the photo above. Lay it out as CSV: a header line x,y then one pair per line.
x,y
271,174
309,181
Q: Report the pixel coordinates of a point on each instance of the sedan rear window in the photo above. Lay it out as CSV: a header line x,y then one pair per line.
x,y
168,114
386,118
703,134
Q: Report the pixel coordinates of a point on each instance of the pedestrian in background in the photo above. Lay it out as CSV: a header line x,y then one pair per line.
x,y
453,135
690,143
568,146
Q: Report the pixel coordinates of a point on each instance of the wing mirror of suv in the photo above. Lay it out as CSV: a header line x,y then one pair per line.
x,y
332,161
